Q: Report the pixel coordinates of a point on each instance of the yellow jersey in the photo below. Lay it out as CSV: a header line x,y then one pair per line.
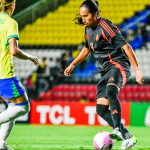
x,y
8,29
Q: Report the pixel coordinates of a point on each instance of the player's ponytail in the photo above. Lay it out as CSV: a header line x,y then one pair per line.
x,y
4,4
92,6
97,2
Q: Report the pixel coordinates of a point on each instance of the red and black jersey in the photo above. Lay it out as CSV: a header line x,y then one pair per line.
x,y
105,42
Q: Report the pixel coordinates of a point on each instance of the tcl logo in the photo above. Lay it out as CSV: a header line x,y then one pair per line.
x,y
56,114
73,114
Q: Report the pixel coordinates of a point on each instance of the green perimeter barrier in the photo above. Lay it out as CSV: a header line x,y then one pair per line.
x,y
140,114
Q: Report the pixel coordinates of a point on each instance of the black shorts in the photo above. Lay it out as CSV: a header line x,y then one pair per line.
x,y
116,76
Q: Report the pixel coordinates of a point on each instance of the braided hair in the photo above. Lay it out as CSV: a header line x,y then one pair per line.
x,y
92,6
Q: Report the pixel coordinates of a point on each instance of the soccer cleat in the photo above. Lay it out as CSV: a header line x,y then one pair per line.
x,y
116,135
128,143
3,145
6,148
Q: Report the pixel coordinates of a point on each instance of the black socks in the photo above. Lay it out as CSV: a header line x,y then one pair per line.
x,y
104,112
115,108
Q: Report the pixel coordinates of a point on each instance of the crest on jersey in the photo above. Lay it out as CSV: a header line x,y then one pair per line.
x,y
111,79
92,46
97,37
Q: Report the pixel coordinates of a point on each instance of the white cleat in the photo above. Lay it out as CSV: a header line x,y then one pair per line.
x,y
6,148
116,134
3,146
128,143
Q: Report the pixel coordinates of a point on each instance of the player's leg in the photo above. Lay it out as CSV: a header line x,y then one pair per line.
x,y
115,108
104,112
14,92
7,120
16,110
117,79
18,106
5,128
5,131
102,107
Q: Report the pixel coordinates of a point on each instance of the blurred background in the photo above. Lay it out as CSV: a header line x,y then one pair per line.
x,y
47,30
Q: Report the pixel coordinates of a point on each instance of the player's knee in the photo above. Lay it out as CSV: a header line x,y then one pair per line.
x,y
24,108
112,93
101,109
27,108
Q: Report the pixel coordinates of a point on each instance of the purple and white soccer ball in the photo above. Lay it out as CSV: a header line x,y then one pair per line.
x,y
103,141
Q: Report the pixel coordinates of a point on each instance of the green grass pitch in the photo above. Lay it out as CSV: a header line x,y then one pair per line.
x,y
37,137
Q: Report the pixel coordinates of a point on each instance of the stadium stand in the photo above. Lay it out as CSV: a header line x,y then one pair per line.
x,y
24,68
58,29
23,5
75,92
46,30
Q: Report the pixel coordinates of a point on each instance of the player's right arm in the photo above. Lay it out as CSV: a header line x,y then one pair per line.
x,y
15,51
81,57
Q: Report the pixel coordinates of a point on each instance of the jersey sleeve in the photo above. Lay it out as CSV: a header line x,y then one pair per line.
x,y
112,34
13,31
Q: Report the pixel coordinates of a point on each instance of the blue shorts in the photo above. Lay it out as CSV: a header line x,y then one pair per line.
x,y
11,88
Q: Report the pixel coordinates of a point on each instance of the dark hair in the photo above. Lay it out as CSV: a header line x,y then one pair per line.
x,y
91,5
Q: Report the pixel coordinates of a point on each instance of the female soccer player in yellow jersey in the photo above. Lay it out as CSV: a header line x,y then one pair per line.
x,y
11,89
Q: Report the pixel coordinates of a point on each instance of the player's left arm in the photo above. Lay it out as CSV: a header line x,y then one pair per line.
x,y
115,38
13,37
15,51
131,55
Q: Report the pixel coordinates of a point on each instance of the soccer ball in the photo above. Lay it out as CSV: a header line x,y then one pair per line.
x,y
102,141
